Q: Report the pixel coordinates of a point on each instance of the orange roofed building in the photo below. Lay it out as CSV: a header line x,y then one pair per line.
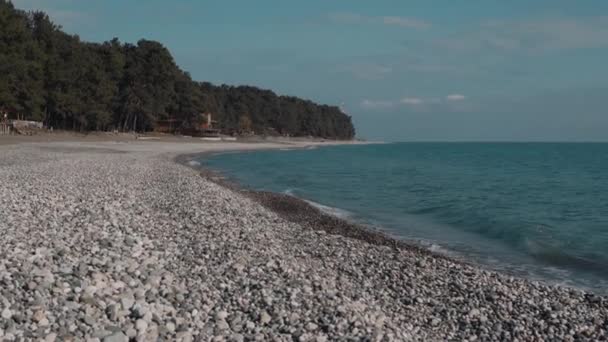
x,y
175,126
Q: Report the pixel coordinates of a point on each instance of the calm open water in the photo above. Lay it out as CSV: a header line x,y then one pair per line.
x,y
537,210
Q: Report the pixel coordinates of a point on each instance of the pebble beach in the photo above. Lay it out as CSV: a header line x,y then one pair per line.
x,y
113,242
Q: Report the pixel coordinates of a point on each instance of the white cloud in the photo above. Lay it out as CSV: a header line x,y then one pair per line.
x,y
406,22
533,35
455,97
560,33
366,71
411,101
374,104
433,68
347,18
354,18
417,103
273,68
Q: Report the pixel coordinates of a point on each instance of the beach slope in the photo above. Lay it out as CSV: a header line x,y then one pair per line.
x,y
110,241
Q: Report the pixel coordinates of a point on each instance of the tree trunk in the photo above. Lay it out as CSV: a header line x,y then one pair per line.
x,y
124,126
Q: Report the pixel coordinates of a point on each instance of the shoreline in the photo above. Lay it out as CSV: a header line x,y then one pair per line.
x,y
118,241
105,137
299,211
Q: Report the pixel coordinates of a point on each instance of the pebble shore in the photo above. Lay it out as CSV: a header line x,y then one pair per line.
x,y
107,245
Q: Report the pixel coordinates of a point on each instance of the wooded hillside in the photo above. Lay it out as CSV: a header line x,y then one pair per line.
x,y
51,76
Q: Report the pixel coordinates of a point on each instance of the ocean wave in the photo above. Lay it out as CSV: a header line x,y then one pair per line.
x,y
290,192
194,163
336,212
562,257
332,211
435,248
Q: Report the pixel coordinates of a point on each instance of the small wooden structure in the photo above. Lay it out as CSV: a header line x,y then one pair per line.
x,y
175,126
170,126
207,130
26,127
209,122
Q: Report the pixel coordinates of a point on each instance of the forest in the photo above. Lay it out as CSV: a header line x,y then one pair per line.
x,y
50,76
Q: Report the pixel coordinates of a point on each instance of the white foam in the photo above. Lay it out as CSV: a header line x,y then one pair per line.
x,y
336,212
435,248
194,163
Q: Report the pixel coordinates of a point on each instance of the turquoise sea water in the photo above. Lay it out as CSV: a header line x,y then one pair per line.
x,y
537,210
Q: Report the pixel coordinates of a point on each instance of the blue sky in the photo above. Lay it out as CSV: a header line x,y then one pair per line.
x,y
405,70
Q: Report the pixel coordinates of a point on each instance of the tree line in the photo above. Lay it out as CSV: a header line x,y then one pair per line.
x,y
48,75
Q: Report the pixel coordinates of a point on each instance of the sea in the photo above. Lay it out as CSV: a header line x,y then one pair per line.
x,y
533,210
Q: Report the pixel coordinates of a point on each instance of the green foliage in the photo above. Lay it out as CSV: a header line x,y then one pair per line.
x,y
267,112
48,75
245,123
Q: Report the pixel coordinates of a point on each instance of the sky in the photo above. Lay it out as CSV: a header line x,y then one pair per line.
x,y
429,70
